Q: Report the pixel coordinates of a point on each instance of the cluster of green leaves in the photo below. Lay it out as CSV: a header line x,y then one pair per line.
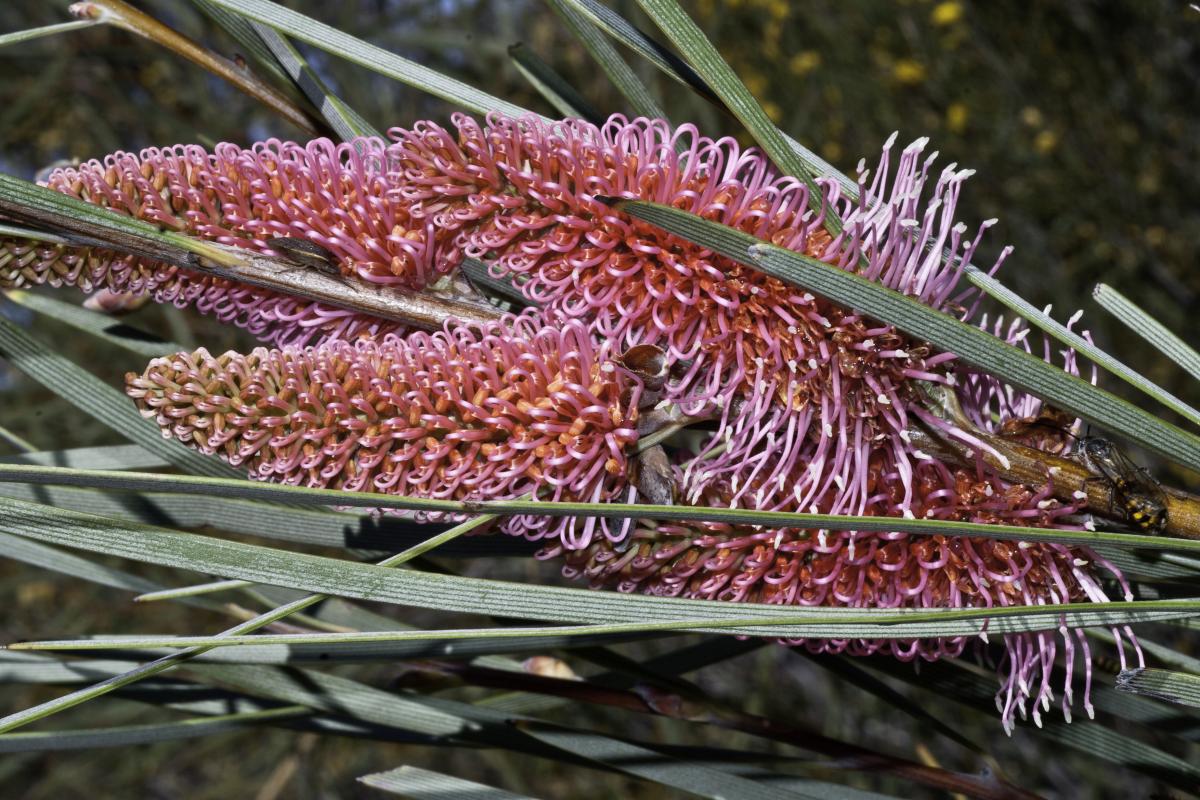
x,y
110,502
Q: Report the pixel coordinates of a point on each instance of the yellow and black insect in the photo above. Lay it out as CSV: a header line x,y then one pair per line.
x,y
1140,497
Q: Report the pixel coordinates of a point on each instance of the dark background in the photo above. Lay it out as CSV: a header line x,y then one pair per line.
x,y
1079,117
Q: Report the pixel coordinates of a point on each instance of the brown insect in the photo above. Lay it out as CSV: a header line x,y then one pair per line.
x,y
306,254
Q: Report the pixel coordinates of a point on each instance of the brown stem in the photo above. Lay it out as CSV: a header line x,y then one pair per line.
x,y
1028,465
125,16
418,309
662,703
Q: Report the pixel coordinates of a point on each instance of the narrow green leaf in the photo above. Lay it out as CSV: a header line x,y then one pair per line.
x,y
82,217
244,33
299,495
193,590
1012,300
1151,564
973,687
622,77
318,34
307,526
972,345
480,276
344,120
556,90
108,457
43,710
867,624
716,73
17,442
1150,329
127,735
46,30
552,604
862,680
1173,687
99,400
423,784
694,777
625,33
93,323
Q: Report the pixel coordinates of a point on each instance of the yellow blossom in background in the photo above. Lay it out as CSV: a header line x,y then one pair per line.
x,y
908,71
947,13
1031,116
956,117
1045,141
804,62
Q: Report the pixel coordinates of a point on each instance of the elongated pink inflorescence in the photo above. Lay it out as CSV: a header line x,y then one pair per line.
x,y
511,410
339,196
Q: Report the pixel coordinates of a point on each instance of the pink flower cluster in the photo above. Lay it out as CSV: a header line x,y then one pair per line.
x,y
797,404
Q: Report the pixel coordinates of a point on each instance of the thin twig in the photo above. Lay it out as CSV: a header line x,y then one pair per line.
x,y
126,17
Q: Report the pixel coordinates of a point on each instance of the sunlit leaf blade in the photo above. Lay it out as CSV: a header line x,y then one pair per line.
x,y
306,29
1012,300
127,735
972,345
1150,329
556,90
99,400
423,784
299,495
619,73
101,326
46,30
552,604
1172,687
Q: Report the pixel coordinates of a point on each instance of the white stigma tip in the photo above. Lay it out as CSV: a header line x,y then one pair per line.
x,y
883,399
1080,562
1075,318
921,455
1089,524
908,514
1044,504
813,363
1078,495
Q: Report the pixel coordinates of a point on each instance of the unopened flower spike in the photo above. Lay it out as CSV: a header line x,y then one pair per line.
x,y
497,412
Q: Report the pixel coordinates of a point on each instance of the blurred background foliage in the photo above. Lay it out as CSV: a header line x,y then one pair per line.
x,y
1081,119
